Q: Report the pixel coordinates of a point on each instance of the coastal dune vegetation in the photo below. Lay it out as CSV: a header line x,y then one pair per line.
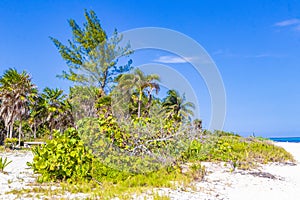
x,y
111,128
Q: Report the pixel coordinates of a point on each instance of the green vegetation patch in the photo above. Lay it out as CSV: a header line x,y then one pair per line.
x,y
241,152
63,158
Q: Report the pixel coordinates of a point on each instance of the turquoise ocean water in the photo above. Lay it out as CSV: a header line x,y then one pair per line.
x,y
286,139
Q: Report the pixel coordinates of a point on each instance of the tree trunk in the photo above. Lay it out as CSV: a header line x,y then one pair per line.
x,y
20,132
7,131
149,102
34,130
139,104
11,130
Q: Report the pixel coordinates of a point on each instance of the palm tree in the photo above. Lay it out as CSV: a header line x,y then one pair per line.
x,y
141,83
5,113
2,131
38,114
56,109
176,106
16,91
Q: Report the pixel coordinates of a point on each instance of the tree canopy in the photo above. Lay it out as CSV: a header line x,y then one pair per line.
x,y
140,83
91,56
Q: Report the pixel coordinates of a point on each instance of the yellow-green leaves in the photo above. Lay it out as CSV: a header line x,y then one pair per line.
x,y
3,163
63,158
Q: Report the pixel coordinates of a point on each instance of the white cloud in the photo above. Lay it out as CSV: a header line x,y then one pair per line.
x,y
173,59
289,22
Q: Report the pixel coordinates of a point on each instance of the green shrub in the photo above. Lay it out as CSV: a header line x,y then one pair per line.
x,y
159,178
136,146
197,150
241,152
264,151
262,138
223,133
102,172
10,142
63,158
250,150
197,171
105,172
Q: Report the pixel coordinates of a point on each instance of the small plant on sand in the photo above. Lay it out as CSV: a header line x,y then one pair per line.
x,y
197,172
3,163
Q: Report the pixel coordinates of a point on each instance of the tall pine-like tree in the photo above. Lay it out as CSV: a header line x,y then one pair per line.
x,y
91,56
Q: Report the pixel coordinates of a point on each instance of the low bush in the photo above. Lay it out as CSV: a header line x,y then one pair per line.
x,y
102,172
199,150
63,158
138,146
241,152
160,178
10,142
235,148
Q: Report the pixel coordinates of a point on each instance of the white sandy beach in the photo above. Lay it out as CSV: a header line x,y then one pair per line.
x,y
17,174
286,184
281,181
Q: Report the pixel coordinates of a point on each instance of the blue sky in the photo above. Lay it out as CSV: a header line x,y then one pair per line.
x,y
255,45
